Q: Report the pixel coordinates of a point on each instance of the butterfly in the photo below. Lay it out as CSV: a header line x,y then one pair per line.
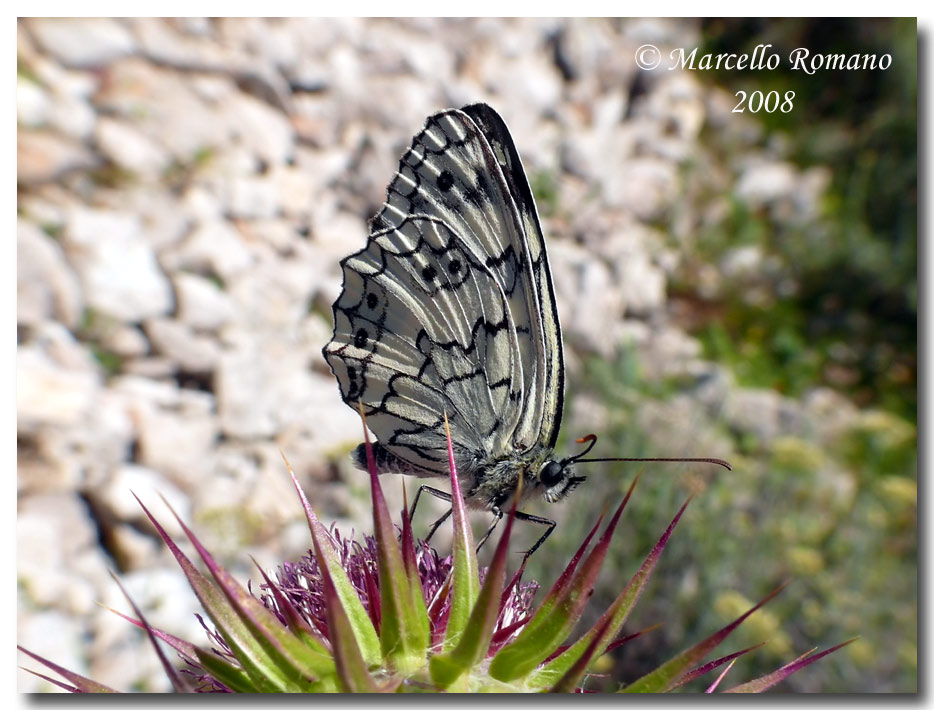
x,y
449,310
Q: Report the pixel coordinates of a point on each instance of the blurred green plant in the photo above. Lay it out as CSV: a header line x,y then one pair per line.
x,y
94,329
839,303
838,516
544,186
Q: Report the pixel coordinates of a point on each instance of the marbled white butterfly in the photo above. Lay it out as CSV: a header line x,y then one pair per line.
x,y
450,309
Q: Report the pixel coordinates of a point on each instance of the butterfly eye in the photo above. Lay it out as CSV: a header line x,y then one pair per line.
x,y
551,473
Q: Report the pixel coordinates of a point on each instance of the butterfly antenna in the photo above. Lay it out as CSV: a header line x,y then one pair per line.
x,y
591,440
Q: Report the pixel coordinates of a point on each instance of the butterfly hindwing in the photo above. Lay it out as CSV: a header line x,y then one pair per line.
x,y
422,328
449,307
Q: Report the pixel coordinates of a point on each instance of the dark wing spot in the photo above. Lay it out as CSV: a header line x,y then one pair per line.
x,y
473,196
455,266
371,300
445,181
429,273
360,338
482,187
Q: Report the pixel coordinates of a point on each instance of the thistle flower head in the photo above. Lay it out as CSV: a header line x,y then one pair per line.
x,y
388,614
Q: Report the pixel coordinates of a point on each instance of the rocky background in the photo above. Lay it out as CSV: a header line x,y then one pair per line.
x,y
186,189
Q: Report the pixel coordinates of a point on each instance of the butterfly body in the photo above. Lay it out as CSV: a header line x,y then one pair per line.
x,y
449,310
491,481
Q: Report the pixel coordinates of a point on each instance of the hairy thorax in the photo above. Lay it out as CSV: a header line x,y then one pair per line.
x,y
494,481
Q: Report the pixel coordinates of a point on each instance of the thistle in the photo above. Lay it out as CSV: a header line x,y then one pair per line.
x,y
390,615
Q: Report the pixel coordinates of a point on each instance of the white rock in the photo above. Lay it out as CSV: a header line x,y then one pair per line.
x,y
325,425
644,186
712,385
64,107
530,81
677,107
641,285
295,191
215,89
125,341
214,246
808,197
46,287
590,51
78,429
82,42
165,222
832,412
153,368
52,531
43,157
176,341
72,116
165,107
176,429
44,208
256,487
763,413
70,83
164,596
127,147
766,182
592,150
741,262
591,307
122,659
251,197
48,394
259,127
118,268
26,50
163,44
634,332
202,305
53,635
131,664
137,550
261,385
148,485
275,41
32,104
659,31
201,204
274,293
672,344
280,235
335,236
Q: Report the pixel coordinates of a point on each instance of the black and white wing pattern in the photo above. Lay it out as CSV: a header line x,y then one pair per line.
x,y
449,308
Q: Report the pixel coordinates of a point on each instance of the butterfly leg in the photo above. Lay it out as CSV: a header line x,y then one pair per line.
x,y
541,521
437,524
442,495
497,516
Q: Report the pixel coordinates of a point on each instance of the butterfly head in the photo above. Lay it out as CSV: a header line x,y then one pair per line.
x,y
557,479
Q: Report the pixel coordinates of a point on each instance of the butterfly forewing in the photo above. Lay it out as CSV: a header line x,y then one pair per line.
x,y
449,307
497,134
